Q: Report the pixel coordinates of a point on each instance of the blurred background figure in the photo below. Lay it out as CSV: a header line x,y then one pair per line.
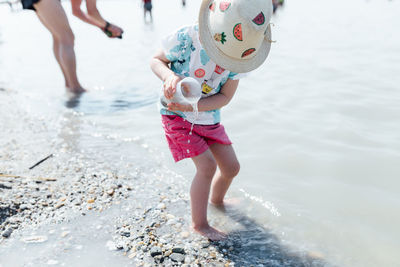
x,y
183,2
11,3
92,16
147,7
277,3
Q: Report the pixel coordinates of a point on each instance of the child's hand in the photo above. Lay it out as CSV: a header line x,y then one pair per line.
x,y
179,107
170,85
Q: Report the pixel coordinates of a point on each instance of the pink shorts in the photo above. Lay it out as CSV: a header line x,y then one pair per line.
x,y
183,145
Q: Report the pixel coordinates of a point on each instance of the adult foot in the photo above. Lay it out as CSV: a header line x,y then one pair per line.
x,y
77,90
211,233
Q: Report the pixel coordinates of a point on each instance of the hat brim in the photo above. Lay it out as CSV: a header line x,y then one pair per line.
x,y
223,60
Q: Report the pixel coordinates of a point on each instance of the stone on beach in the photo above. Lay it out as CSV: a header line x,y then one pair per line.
x,y
34,239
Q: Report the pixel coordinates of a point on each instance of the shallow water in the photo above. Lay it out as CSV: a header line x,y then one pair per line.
x,y
315,128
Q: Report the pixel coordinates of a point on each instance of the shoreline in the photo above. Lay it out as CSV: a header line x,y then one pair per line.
x,y
147,214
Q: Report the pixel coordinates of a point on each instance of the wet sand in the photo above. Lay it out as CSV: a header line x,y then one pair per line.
x,y
75,209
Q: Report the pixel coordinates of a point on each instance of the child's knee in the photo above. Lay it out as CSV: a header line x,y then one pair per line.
x,y
232,171
209,168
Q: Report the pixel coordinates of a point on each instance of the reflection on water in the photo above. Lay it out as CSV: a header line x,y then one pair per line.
x,y
249,242
101,102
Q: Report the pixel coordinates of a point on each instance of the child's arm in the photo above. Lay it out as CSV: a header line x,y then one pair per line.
x,y
159,65
212,102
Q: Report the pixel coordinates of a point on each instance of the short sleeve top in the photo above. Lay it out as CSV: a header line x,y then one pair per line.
x,y
189,59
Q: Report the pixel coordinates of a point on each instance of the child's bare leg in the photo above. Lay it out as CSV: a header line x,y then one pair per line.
x,y
199,192
228,168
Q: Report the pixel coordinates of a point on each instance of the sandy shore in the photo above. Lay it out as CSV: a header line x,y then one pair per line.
x,y
142,217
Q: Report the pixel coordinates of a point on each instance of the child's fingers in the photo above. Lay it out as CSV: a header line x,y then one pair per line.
x,y
178,107
173,106
167,89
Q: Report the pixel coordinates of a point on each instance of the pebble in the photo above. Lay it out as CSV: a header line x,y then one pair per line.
x,y
132,255
177,257
161,206
178,250
64,234
154,251
185,234
7,233
34,239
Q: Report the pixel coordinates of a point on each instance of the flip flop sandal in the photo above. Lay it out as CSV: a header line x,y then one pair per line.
x,y
108,32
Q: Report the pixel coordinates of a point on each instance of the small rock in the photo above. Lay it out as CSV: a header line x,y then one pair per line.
x,y
90,200
35,239
315,255
59,205
185,234
155,251
177,257
159,259
126,234
167,253
7,232
132,255
205,244
4,186
178,250
64,234
24,207
161,206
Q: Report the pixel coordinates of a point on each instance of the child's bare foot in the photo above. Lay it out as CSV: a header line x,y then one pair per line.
x,y
210,232
226,203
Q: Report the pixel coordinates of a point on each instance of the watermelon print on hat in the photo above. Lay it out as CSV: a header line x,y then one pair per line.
x,y
237,32
259,19
212,6
224,5
248,52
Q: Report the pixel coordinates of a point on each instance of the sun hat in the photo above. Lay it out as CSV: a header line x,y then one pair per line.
x,y
236,34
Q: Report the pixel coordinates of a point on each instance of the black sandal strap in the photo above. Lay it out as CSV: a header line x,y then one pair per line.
x,y
107,26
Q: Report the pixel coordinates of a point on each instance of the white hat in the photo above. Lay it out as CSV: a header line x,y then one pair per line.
x,y
236,34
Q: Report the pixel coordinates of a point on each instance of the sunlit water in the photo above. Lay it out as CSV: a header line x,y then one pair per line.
x,y
316,128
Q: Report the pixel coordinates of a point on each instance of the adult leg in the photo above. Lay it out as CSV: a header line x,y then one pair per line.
x,y
229,167
53,17
56,50
199,193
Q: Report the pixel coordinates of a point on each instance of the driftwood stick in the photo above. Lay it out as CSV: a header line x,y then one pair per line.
x,y
10,175
46,179
40,161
